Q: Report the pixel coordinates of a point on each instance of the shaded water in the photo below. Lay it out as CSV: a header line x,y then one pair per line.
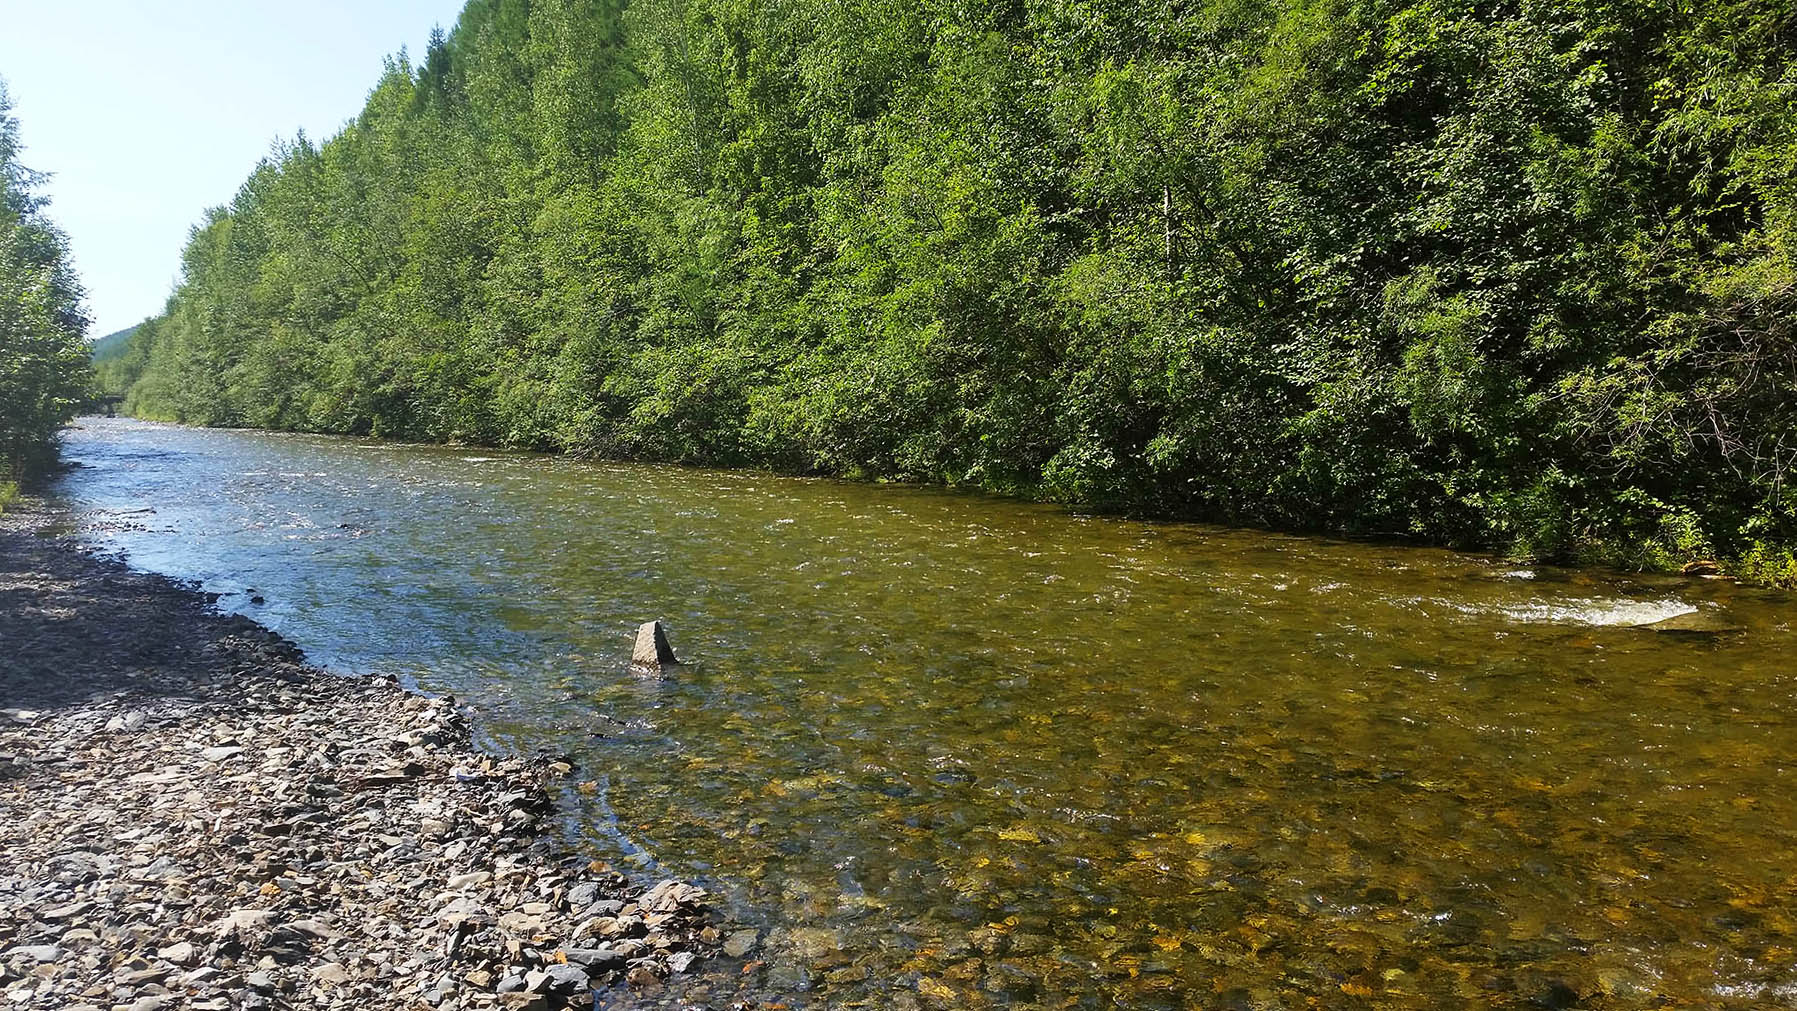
x,y
957,752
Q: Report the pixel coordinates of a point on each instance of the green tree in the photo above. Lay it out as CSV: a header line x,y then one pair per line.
x,y
1497,275
43,363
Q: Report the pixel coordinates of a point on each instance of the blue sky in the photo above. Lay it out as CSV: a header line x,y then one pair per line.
x,y
146,113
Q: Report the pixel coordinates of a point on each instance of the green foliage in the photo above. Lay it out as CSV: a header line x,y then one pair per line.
x,y
1516,276
43,357
114,364
112,346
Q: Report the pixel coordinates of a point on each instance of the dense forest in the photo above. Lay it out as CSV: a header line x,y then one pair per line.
x,y
112,346
43,359
1514,275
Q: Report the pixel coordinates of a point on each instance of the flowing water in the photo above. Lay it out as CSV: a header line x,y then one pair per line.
x,y
950,751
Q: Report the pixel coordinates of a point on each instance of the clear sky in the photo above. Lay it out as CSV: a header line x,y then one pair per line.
x,y
147,112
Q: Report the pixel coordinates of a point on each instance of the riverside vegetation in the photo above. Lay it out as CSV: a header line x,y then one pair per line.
x,y
43,366
1509,275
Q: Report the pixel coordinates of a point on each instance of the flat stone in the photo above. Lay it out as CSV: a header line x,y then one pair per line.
x,y
741,942
519,923
247,919
330,974
462,909
596,959
623,926
39,953
566,978
669,896
1701,622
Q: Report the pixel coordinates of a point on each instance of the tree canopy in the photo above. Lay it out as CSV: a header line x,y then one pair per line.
x,y
1511,275
43,361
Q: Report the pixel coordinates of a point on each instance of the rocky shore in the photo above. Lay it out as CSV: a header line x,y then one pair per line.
x,y
192,817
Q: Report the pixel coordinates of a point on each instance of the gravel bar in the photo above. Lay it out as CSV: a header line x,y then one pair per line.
x,y
193,817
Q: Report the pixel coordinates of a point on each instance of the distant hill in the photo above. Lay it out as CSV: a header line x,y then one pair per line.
x,y
113,345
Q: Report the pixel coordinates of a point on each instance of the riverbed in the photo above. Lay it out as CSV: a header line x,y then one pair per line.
x,y
952,751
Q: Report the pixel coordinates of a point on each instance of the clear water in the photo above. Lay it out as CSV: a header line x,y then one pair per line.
x,y
950,751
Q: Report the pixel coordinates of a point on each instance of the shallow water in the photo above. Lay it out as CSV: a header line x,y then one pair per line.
x,y
952,751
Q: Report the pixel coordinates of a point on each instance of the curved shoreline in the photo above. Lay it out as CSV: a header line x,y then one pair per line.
x,y
195,817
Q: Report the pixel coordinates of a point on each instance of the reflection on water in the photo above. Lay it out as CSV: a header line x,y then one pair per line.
x,y
957,752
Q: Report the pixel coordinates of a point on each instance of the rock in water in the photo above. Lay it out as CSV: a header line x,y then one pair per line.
x,y
1697,623
652,651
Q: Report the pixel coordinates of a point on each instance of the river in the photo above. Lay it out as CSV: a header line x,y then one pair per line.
x,y
952,751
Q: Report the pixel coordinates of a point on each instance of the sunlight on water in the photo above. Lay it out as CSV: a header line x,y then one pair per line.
x,y
945,751
1594,612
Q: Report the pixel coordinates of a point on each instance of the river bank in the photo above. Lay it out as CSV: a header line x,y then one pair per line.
x,y
195,817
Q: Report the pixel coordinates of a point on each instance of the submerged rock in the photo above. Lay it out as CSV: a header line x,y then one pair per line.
x,y
1704,621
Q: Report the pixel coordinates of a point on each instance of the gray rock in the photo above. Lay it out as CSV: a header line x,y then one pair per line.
x,y
652,652
39,953
596,959
566,978
125,723
581,896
